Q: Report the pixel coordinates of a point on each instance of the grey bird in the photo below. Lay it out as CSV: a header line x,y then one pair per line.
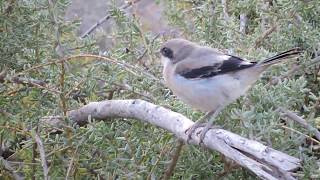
x,y
207,79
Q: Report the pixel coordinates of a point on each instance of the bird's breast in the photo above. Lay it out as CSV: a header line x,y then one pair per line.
x,y
205,94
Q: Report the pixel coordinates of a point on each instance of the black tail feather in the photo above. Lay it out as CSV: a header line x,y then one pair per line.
x,y
284,55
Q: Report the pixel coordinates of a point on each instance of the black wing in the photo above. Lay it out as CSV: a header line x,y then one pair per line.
x,y
232,64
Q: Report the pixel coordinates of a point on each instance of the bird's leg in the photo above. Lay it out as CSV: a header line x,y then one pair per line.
x,y
209,124
198,124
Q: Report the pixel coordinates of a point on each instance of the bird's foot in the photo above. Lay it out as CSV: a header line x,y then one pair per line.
x,y
192,129
204,131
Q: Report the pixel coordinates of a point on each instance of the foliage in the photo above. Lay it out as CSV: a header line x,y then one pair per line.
x,y
34,33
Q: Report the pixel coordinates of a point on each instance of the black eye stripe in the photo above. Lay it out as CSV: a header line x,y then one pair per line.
x,y
167,52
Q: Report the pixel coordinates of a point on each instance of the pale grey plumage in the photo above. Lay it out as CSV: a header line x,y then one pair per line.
x,y
204,94
207,79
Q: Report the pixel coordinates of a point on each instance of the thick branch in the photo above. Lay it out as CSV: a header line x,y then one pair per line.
x,y
264,161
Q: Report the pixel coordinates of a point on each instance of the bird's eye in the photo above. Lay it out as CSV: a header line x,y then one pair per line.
x,y
166,52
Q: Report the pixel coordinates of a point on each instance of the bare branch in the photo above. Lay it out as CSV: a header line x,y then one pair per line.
x,y
243,23
301,121
265,34
126,66
173,163
264,161
31,83
225,10
71,165
105,18
42,156
264,18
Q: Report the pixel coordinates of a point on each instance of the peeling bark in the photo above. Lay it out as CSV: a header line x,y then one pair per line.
x,y
264,161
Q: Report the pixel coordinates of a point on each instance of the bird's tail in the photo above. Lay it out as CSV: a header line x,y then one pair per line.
x,y
281,56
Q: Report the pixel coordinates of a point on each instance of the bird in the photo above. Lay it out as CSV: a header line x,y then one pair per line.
x,y
207,79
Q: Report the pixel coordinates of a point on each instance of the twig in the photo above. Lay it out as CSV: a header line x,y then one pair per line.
x,y
62,89
20,80
29,81
163,150
243,23
42,156
301,121
130,89
225,10
5,113
298,132
7,166
143,38
33,166
228,167
264,161
75,87
145,44
265,34
32,83
105,18
3,74
296,69
60,50
264,18
174,161
121,64
71,164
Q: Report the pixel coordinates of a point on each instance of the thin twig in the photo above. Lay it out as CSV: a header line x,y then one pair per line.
x,y
32,83
121,64
3,74
143,38
7,166
295,69
33,166
62,96
301,121
5,113
130,89
225,10
42,156
265,5
228,167
265,34
174,160
60,50
298,132
163,150
71,164
75,87
105,18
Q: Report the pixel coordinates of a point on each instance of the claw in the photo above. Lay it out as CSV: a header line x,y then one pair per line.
x,y
209,115
203,133
192,129
205,130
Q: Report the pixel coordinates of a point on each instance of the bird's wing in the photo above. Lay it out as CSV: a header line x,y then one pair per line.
x,y
211,65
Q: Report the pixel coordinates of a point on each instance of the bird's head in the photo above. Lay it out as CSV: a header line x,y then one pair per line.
x,y
176,50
